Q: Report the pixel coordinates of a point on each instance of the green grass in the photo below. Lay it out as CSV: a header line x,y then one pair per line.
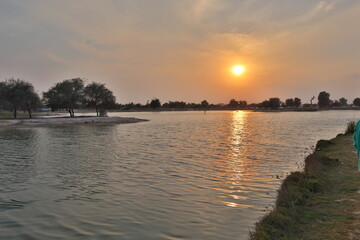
x,y
320,203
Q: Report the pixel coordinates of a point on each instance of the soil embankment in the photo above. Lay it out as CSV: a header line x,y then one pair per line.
x,y
323,202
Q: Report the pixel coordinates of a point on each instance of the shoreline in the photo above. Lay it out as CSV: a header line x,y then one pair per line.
x,y
320,202
229,109
67,121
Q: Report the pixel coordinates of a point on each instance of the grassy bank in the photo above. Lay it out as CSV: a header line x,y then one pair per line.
x,y
323,202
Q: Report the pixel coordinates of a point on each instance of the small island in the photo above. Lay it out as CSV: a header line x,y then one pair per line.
x,y
55,121
19,95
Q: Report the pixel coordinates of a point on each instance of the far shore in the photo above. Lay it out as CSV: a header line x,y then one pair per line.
x,y
57,121
238,109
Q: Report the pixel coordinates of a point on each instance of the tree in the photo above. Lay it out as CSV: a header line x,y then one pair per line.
x,y
3,101
176,104
233,103
343,101
243,104
297,102
19,95
289,102
265,104
204,104
312,100
324,99
336,103
356,102
67,95
31,101
155,103
274,103
97,96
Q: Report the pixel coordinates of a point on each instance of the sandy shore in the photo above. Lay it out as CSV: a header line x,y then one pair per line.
x,y
67,121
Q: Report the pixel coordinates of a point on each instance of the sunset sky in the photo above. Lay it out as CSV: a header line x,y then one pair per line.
x,y
185,49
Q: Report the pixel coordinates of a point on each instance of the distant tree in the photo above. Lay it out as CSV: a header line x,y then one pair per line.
x,y
274,103
336,103
233,103
118,106
175,104
243,104
19,95
204,104
356,102
289,102
297,102
253,105
97,96
138,106
311,100
265,104
324,99
194,105
155,103
343,101
3,100
67,95
32,101
128,106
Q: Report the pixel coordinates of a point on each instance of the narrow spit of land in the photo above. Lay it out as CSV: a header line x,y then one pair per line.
x,y
56,121
323,202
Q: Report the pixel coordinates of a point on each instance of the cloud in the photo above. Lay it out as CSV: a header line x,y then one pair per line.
x,y
181,49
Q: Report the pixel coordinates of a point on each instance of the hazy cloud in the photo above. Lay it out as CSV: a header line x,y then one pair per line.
x,y
182,50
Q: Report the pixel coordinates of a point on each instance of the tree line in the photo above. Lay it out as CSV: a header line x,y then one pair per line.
x,y
155,104
19,95
323,101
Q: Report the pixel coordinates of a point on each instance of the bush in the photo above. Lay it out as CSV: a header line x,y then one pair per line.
x,y
350,129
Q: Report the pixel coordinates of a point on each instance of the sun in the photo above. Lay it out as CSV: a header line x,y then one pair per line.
x,y
238,69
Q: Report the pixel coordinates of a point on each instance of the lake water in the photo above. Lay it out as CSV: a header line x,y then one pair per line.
x,y
182,175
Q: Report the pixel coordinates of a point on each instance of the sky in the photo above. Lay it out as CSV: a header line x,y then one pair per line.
x,y
183,50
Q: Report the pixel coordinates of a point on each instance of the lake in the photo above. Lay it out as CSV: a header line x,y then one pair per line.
x,y
182,175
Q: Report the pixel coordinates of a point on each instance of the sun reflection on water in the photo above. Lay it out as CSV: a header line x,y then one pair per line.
x,y
236,160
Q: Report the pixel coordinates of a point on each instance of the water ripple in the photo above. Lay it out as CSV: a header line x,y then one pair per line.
x,y
182,175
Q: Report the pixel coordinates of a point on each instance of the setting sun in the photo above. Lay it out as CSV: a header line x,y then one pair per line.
x,y
238,69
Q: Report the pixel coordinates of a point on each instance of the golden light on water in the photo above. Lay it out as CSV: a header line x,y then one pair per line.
x,y
238,69
236,162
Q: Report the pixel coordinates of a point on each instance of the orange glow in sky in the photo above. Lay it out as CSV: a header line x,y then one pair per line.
x,y
214,50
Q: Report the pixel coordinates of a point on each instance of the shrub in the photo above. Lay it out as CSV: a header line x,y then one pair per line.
x,y
350,127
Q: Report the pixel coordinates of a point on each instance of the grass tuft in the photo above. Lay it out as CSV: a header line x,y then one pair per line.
x,y
350,129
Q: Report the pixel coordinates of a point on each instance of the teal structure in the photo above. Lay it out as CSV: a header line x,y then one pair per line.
x,y
357,142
